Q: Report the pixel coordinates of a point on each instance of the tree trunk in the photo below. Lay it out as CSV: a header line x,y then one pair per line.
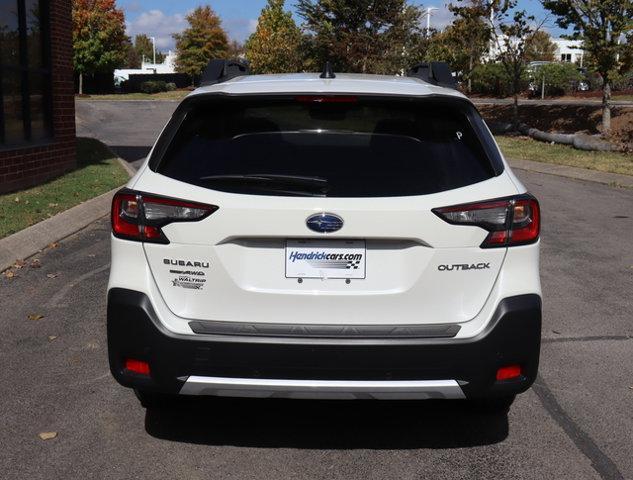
x,y
516,84
515,112
81,83
606,106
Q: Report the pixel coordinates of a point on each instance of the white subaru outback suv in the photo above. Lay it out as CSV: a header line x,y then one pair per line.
x,y
325,236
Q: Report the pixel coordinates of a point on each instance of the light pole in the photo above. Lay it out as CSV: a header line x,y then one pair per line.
x,y
428,20
154,50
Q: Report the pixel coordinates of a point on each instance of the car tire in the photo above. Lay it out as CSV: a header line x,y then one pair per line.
x,y
154,399
495,405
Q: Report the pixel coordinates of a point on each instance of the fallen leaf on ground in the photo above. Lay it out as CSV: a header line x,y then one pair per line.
x,y
47,435
52,337
52,275
35,316
16,199
19,264
53,205
9,274
53,245
36,263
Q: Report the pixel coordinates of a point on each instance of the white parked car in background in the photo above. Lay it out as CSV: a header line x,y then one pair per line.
x,y
325,236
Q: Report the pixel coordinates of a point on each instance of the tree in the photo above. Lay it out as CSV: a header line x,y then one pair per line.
x,y
469,36
510,30
99,40
367,36
145,49
274,47
203,40
539,47
600,25
132,59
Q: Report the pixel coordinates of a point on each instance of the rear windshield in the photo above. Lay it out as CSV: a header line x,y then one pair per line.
x,y
333,147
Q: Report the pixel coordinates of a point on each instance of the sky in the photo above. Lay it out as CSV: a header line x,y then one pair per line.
x,y
161,18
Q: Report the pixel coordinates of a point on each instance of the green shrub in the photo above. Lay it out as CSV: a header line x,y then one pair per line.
x,y
171,86
560,78
491,79
153,86
622,81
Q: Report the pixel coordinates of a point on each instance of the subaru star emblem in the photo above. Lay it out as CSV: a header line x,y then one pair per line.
x,y
324,222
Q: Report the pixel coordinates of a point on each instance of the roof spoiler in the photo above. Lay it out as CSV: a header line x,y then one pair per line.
x,y
436,73
218,71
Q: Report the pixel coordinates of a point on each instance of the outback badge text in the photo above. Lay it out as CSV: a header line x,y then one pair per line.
x,y
463,266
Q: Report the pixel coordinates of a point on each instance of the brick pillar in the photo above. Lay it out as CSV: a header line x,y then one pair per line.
x,y
26,165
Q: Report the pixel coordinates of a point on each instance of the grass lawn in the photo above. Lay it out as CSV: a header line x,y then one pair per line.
x,y
97,172
524,148
173,95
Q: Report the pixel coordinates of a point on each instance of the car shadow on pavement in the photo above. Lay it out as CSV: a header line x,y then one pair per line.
x,y
332,425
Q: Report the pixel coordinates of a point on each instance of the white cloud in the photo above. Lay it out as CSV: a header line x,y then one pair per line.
x,y
239,28
154,23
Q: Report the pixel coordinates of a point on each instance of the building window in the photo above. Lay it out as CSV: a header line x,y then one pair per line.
x,y
25,77
565,57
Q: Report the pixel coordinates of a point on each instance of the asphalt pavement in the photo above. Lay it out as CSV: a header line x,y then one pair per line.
x,y
575,423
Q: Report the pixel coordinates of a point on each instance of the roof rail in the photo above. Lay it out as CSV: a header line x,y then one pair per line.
x,y
218,71
436,73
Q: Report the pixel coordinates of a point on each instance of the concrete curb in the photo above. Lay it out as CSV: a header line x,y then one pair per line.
x,y
127,167
612,179
34,239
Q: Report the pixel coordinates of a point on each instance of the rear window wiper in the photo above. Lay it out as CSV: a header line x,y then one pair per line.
x,y
272,181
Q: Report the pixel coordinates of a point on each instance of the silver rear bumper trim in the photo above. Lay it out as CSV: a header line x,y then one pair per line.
x,y
323,389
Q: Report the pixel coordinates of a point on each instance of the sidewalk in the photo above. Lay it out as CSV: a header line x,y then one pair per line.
x,y
612,179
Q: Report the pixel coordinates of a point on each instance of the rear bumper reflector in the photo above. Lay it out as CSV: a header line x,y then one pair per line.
x,y
322,389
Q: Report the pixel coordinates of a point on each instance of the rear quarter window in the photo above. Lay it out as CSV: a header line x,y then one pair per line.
x,y
334,147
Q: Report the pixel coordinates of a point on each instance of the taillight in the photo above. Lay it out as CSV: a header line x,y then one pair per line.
x,y
139,216
510,221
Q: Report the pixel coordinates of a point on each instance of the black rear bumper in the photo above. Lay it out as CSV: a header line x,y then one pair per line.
x,y
512,337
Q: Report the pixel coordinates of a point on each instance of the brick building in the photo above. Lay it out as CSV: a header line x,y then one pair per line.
x,y
37,109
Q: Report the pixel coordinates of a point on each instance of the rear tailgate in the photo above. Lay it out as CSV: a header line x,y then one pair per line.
x,y
419,269
386,165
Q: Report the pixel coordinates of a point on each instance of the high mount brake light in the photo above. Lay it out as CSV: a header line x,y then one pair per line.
x,y
326,99
511,221
138,216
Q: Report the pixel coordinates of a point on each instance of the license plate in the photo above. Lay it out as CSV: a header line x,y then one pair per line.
x,y
325,258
